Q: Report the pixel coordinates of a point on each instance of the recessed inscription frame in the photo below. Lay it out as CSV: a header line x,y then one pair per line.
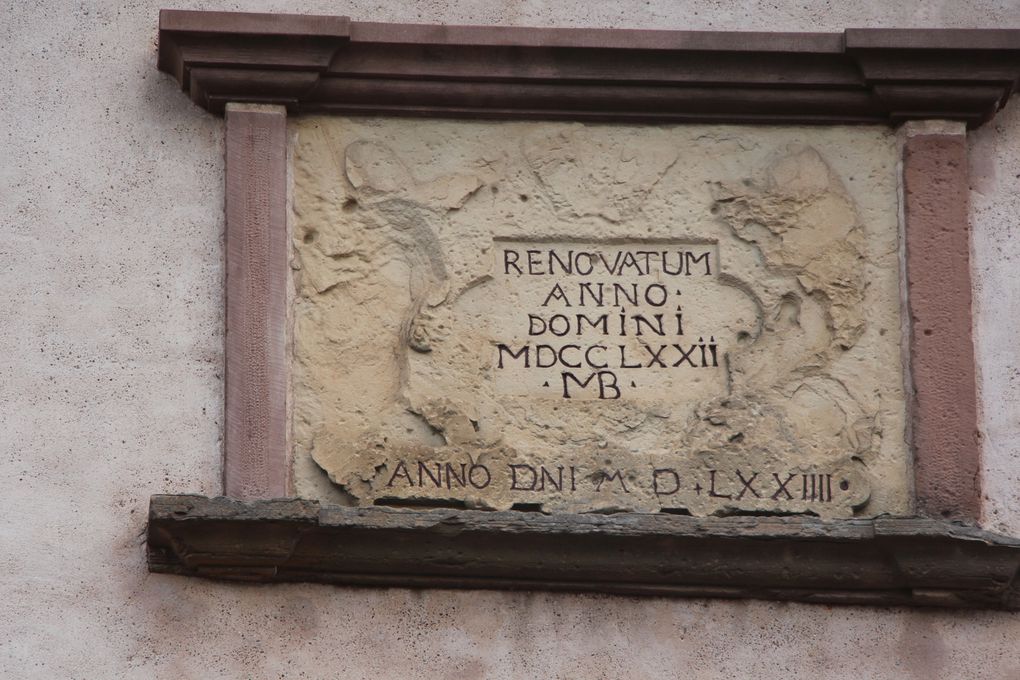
x,y
947,480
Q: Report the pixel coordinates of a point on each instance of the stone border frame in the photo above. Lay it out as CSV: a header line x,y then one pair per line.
x,y
255,463
257,68
943,408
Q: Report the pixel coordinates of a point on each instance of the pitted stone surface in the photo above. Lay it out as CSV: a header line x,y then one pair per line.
x,y
598,318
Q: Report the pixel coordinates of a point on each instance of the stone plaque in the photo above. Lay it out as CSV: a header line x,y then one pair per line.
x,y
573,318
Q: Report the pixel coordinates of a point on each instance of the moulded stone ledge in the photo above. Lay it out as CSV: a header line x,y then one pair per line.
x,y
330,64
884,561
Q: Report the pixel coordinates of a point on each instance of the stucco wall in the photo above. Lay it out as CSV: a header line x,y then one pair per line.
x,y
111,390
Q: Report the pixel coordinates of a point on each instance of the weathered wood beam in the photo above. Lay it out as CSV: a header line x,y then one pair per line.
x,y
879,561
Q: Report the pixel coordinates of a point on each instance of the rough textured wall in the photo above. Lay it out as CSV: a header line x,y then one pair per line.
x,y
111,390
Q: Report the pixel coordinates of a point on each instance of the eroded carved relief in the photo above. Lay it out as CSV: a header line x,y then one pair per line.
x,y
598,318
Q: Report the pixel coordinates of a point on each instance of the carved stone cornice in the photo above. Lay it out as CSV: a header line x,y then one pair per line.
x,y
329,64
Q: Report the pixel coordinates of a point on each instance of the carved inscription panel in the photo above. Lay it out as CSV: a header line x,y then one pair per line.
x,y
609,321
577,318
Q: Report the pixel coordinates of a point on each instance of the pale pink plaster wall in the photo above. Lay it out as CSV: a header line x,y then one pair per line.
x,y
111,390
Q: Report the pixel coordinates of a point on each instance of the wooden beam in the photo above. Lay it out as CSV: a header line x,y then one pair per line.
x,y
876,561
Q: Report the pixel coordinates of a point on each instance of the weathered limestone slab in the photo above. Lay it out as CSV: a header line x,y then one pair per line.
x,y
598,318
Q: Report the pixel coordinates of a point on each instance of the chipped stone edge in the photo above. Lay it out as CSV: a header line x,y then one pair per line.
x,y
914,128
